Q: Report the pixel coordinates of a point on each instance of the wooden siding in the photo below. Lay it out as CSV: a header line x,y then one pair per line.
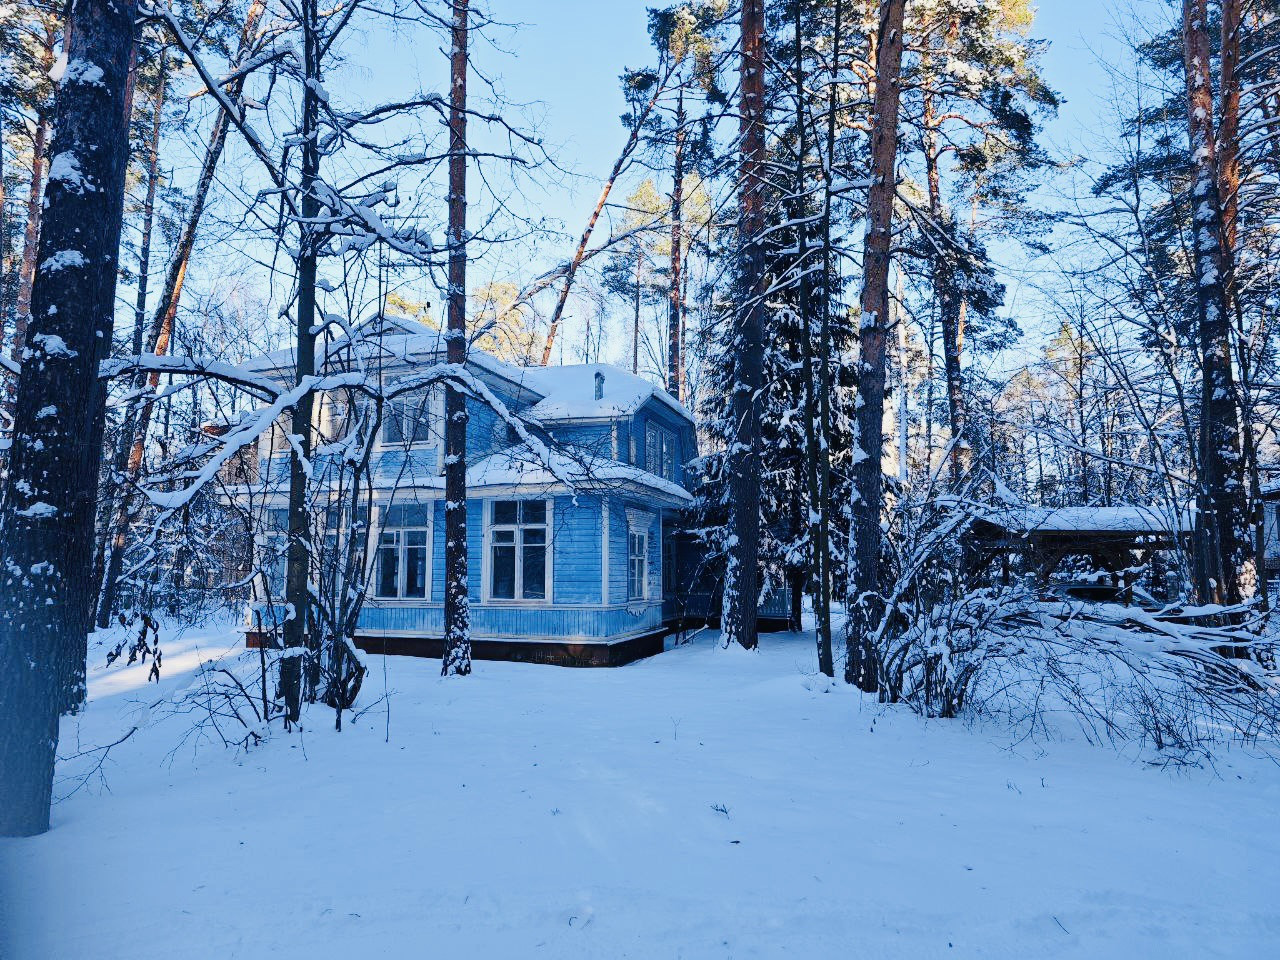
x,y
576,552
518,622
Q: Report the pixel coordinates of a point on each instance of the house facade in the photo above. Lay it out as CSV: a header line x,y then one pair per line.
x,y
574,530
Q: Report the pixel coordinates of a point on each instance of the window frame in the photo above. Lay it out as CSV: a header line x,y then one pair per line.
x,y
635,534
660,451
518,545
402,548
400,409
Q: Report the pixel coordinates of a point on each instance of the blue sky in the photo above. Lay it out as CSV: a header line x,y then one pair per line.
x,y
568,55
564,58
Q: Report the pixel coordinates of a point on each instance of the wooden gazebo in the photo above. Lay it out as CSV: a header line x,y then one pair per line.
x,y
1115,539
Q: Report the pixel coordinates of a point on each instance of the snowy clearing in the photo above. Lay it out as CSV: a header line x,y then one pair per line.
x,y
703,803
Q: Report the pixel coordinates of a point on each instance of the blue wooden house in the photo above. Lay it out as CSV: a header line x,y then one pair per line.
x,y
573,558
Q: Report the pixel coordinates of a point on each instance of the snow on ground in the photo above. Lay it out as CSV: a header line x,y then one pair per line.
x,y
702,804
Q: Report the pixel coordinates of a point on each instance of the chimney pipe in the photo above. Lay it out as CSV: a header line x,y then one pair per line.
x,y
599,385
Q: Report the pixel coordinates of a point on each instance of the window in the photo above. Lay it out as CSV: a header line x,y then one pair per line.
x,y
518,541
404,554
660,452
407,420
637,564
275,551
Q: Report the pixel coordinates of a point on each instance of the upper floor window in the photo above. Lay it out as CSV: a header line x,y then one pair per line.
x,y
660,452
519,538
407,420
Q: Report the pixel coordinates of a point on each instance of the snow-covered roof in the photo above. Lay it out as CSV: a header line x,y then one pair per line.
x,y
569,393
566,392
1127,519
521,467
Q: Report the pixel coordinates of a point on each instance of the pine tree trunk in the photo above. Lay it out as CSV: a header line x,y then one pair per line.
x,y
131,444
742,574
30,240
115,492
1232,37
818,572
635,319
822,613
1224,569
862,666
298,558
675,305
457,609
947,298
46,526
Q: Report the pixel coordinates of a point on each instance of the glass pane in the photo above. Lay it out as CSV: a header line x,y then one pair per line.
x,y
533,511
504,511
535,536
388,571
504,536
415,538
535,572
502,584
393,414
415,571
419,420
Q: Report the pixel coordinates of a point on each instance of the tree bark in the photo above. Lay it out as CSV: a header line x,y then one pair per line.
x,y
822,612
742,574
30,240
862,666
675,306
46,524
1224,569
818,572
457,609
131,446
298,558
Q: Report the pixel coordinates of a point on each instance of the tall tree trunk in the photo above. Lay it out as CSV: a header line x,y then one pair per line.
x,y
46,522
635,319
822,546
457,609
30,239
113,492
1229,191
742,574
571,269
862,666
131,445
1224,569
817,574
675,306
298,559
950,304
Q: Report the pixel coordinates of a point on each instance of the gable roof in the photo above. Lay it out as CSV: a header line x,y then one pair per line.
x,y
566,393
569,393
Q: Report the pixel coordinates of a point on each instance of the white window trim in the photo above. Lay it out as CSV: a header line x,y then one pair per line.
x,y
643,535
374,556
435,425
486,560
